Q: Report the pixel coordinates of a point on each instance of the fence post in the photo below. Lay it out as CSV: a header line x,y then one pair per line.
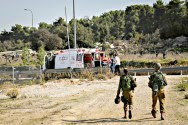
x,y
181,73
148,73
40,70
70,70
12,74
134,73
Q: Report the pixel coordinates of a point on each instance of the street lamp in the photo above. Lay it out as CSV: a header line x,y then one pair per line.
x,y
31,14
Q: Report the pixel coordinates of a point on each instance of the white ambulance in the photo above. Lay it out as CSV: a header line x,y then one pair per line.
x,y
73,58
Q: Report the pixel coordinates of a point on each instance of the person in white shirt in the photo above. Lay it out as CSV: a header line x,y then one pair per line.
x,y
117,64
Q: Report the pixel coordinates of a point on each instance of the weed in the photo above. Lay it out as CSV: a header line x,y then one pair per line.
x,y
186,96
13,93
40,80
100,76
5,77
183,86
87,75
24,96
108,74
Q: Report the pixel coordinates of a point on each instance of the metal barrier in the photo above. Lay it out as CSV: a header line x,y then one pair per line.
x,y
16,74
30,73
165,69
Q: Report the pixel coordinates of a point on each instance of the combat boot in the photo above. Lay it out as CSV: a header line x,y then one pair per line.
x,y
125,116
130,114
162,116
153,112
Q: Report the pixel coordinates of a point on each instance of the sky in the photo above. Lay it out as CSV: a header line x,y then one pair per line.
x,y
12,11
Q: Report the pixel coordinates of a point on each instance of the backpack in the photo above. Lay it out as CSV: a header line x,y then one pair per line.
x,y
126,83
157,81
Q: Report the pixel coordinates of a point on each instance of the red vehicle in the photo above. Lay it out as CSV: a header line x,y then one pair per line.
x,y
88,60
105,60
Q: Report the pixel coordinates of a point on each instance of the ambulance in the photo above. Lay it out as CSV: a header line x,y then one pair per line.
x,y
73,58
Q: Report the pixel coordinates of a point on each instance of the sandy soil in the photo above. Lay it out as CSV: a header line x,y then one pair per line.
x,y
64,102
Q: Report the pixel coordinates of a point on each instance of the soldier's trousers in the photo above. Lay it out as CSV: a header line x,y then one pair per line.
x,y
161,96
128,96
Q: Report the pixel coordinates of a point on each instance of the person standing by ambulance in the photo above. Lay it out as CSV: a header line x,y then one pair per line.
x,y
117,64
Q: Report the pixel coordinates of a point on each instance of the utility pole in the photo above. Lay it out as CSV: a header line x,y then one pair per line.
x,y
74,24
70,70
67,28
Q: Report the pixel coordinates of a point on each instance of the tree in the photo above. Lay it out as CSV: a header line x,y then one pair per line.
x,y
54,43
132,20
43,25
25,55
159,11
172,20
59,22
145,24
40,56
17,28
19,44
40,38
84,35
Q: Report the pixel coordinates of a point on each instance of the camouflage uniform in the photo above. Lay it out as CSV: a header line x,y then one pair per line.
x,y
157,82
127,85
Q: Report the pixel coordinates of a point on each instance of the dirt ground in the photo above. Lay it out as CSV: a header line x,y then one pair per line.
x,y
65,102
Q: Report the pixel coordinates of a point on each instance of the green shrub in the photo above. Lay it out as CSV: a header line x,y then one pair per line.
x,y
13,93
41,54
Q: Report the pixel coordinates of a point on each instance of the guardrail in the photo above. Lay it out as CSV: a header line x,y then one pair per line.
x,y
30,73
165,69
144,70
73,70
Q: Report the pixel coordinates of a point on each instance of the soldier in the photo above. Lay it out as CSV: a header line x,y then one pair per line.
x,y
157,82
127,85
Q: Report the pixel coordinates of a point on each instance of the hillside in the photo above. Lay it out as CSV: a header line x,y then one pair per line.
x,y
144,25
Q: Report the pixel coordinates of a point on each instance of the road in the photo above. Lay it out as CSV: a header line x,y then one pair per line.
x,y
58,103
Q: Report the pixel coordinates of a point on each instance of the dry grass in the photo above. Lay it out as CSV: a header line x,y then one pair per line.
x,y
87,75
180,59
148,60
183,86
13,93
5,77
186,96
152,57
100,77
6,85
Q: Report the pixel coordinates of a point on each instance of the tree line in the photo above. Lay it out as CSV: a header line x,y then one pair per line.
x,y
135,22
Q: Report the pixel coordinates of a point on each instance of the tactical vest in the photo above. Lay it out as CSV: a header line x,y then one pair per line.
x,y
126,83
157,81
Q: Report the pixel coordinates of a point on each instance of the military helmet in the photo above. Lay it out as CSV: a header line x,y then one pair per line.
x,y
157,66
117,100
